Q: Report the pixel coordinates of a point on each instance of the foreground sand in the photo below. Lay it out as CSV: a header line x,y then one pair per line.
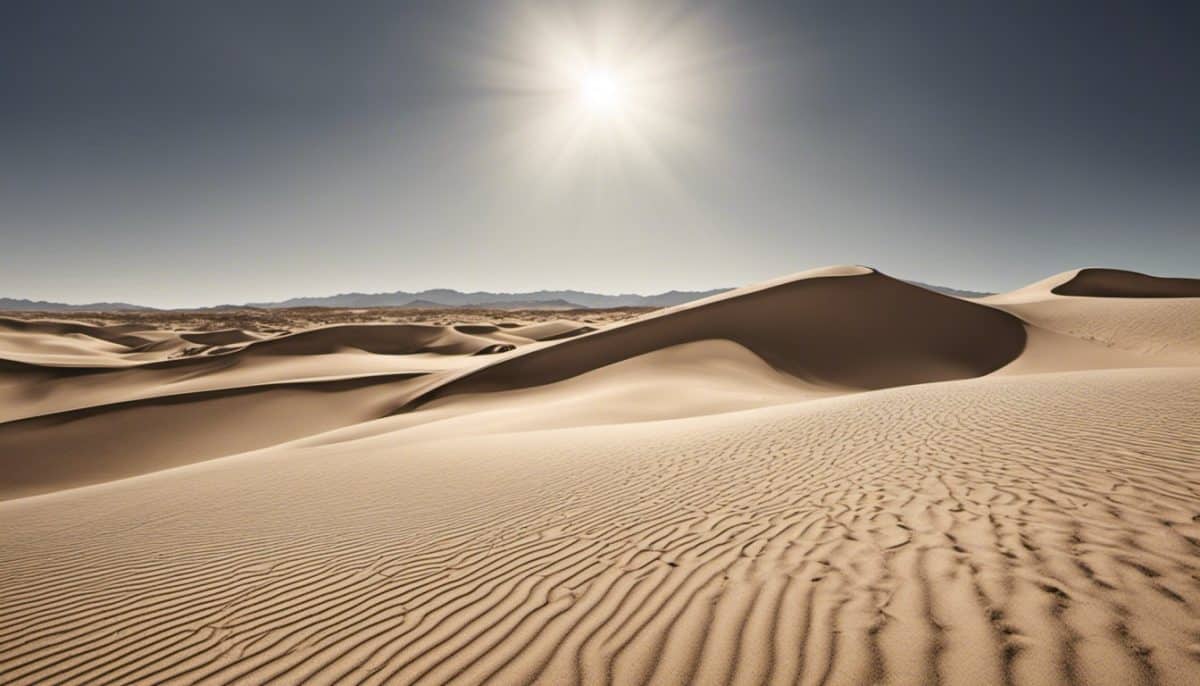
x,y
684,513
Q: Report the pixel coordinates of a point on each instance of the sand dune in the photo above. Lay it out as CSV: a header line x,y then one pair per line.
x,y
688,380
42,372
831,478
120,335
849,327
66,342
552,331
74,344
100,443
1025,529
1116,283
1159,328
379,339
220,337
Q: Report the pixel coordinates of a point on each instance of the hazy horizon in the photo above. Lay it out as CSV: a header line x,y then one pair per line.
x,y
420,291
549,289
234,152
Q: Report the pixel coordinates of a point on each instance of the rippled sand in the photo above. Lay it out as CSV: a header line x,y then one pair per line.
x,y
691,514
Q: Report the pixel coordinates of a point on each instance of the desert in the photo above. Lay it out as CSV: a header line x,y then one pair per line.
x,y
834,477
599,343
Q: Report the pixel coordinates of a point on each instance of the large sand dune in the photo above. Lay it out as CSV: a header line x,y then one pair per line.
x,y
1117,283
845,327
832,478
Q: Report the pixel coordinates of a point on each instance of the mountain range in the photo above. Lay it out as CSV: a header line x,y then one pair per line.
x,y
18,304
439,298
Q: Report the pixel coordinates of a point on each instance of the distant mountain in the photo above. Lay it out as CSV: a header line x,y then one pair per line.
x,y
502,305
531,305
16,304
423,305
443,298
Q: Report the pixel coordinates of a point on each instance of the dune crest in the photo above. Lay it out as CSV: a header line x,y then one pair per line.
x,y
378,339
221,337
1118,283
1162,330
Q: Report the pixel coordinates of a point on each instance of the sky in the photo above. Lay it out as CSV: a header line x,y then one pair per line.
x,y
190,154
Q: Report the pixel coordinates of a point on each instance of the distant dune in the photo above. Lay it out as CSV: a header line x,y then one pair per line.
x,y
1114,283
379,339
835,477
222,337
847,327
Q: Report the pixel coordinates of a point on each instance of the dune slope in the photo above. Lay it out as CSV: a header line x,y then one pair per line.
x,y
120,335
116,440
1025,530
380,339
1117,283
852,328
1162,330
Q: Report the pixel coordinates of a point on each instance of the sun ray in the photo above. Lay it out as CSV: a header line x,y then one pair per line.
x,y
618,87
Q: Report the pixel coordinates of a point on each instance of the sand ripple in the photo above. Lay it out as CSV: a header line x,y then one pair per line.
x,y
1040,529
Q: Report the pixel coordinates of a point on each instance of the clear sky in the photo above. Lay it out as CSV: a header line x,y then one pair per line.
x,y
178,154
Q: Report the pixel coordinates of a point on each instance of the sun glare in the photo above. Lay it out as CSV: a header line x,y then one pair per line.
x,y
619,90
601,91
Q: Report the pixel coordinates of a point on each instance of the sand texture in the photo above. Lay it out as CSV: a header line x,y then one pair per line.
x,y
831,478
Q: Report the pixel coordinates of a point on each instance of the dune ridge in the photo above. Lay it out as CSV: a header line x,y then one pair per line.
x,y
1117,283
98,443
74,344
378,339
848,327
220,337
1162,329
121,334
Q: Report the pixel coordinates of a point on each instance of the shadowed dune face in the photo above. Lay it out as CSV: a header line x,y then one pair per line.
x,y
864,331
219,337
1117,283
380,339
118,440
552,331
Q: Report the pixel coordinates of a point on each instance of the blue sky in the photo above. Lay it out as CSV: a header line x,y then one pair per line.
x,y
178,155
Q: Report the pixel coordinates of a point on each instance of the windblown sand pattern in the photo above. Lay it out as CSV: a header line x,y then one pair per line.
x,y
1027,526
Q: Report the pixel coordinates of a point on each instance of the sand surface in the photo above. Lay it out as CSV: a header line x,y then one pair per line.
x,y
831,478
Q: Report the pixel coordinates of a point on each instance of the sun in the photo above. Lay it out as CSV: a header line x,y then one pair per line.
x,y
601,91
608,91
